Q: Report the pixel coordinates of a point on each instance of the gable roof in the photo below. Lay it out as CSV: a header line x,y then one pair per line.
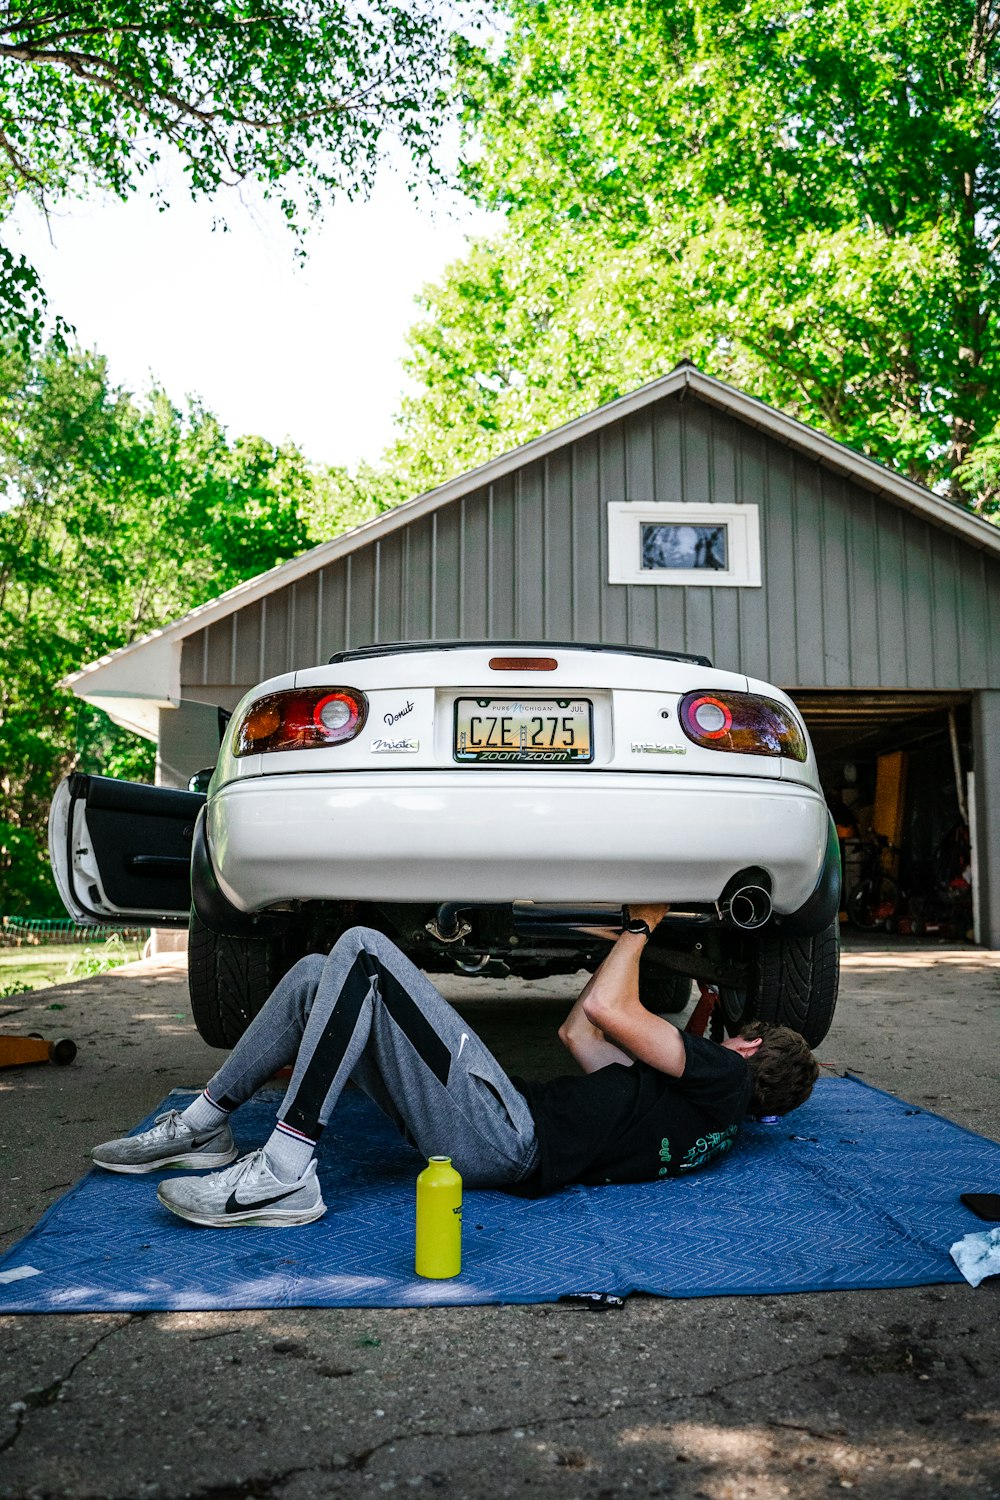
x,y
133,682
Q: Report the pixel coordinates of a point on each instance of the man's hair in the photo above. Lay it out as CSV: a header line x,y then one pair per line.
x,y
783,1069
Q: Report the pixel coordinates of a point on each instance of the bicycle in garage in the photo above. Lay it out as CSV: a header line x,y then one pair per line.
x,y
877,900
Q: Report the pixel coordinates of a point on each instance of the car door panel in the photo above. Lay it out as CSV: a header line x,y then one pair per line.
x,y
121,851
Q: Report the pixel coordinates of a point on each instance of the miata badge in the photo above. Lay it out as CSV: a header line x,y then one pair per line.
x,y
399,746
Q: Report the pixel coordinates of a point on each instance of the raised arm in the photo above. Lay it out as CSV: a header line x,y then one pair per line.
x,y
609,1024
587,1042
611,1005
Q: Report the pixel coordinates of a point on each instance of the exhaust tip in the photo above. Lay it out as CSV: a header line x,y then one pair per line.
x,y
746,908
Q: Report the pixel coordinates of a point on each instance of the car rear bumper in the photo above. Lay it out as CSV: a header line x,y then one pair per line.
x,y
503,836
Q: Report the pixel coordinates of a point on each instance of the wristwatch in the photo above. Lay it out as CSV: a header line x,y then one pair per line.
x,y
637,925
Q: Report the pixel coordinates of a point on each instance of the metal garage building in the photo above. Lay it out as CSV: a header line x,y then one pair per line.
x,y
686,516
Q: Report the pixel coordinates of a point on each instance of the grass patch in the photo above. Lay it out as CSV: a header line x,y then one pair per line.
x,y
26,969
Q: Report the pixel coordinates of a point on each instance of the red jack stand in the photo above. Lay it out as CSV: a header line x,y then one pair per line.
x,y
707,1001
15,1051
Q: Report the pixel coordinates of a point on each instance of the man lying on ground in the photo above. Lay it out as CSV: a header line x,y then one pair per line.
x,y
652,1101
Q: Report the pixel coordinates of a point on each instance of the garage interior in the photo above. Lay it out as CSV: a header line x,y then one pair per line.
x,y
896,767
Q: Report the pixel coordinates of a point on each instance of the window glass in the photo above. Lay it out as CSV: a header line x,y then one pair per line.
x,y
681,545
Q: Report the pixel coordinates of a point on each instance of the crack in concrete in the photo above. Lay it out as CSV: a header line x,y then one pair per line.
x,y
834,1436
50,1393
796,1364
360,1460
263,1486
258,1488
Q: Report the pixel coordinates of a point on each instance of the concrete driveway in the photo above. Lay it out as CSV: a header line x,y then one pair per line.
x,y
889,1394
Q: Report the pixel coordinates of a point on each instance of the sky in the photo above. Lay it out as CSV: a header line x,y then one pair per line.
x,y
312,353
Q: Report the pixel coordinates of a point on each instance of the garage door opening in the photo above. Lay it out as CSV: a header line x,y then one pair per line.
x,y
895,771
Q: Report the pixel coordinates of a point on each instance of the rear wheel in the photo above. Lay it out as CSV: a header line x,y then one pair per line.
x,y
229,978
661,990
791,982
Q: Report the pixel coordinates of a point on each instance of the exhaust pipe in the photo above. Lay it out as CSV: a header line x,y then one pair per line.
x,y
448,925
603,920
746,902
599,919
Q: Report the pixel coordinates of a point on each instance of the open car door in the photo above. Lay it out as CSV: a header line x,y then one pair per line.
x,y
121,851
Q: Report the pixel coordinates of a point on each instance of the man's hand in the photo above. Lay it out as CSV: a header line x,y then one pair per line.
x,y
651,915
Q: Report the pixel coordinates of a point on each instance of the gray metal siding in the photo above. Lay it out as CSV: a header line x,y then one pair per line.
x,y
857,592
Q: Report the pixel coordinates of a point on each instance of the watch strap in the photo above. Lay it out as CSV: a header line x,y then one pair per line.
x,y
637,925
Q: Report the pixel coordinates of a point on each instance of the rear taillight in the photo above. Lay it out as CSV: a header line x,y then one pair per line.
x,y
742,722
301,719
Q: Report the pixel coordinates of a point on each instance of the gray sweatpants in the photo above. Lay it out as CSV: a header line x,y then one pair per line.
x,y
365,1013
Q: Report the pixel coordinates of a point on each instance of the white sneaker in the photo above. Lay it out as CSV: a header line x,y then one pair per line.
x,y
168,1143
248,1194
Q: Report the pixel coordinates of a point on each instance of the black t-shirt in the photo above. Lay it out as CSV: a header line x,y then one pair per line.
x,y
635,1124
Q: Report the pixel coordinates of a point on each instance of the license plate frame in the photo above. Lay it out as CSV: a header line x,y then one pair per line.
x,y
521,752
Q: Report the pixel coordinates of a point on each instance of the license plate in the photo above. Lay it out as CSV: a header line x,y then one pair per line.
x,y
505,731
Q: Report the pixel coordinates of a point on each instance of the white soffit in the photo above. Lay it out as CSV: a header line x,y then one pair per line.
x,y
135,682
140,715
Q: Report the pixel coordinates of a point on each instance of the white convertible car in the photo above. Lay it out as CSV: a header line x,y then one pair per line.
x,y
490,806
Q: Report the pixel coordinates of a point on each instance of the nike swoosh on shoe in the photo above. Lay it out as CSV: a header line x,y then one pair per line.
x,y
235,1206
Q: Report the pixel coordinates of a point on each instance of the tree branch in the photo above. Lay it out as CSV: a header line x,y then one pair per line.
x,y
19,164
104,74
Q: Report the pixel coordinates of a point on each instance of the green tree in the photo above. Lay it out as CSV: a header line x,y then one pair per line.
x,y
804,200
338,500
119,516
522,336
301,97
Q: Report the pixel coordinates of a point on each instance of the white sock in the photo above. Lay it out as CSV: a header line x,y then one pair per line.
x,y
203,1113
288,1153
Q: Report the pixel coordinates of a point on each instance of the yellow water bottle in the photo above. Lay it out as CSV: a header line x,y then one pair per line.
x,y
439,1220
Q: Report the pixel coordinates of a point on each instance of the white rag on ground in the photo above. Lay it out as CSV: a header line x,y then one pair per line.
x,y
18,1273
978,1255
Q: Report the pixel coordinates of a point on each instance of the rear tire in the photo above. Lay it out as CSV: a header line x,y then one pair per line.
x,y
229,979
792,982
661,990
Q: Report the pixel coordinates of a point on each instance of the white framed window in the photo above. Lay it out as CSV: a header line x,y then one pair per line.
x,y
682,544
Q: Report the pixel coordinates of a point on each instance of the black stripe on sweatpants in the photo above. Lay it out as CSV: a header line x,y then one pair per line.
x,y
304,1111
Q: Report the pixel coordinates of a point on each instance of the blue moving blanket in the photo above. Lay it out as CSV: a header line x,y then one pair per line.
x,y
855,1189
